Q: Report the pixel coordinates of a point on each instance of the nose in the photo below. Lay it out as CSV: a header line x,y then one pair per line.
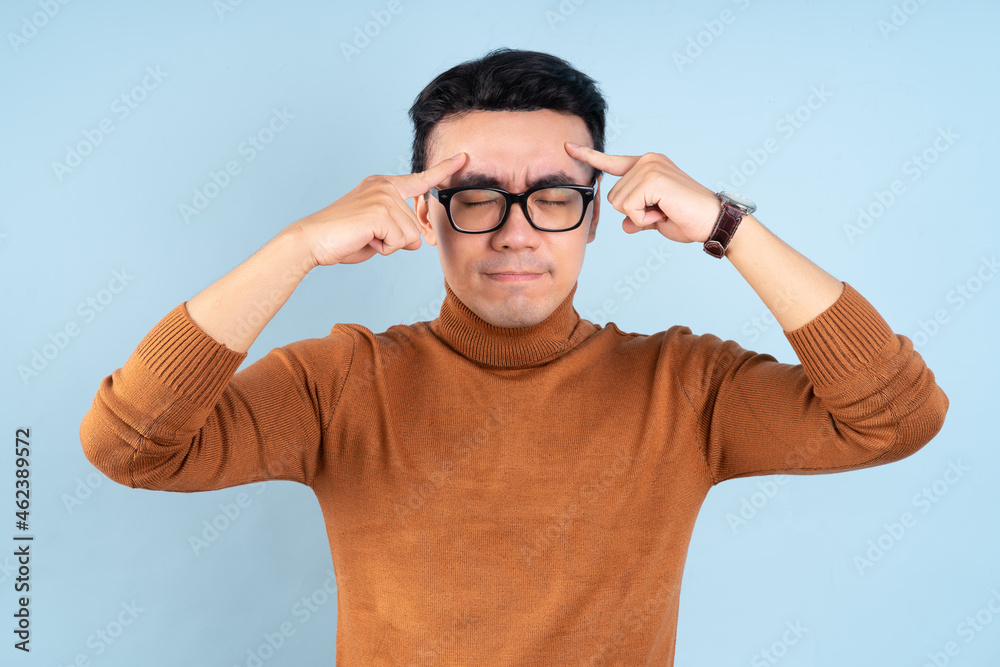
x,y
516,231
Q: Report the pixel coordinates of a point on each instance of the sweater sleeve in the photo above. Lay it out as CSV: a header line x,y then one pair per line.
x,y
860,397
178,417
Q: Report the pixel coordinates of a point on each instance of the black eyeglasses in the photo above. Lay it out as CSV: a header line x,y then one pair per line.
x,y
474,209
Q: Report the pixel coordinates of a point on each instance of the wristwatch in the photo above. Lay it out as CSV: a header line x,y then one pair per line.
x,y
734,207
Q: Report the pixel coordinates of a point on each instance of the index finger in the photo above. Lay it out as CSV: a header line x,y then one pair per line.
x,y
616,165
416,184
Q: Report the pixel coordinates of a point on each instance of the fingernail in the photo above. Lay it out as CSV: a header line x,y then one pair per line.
x,y
572,145
455,157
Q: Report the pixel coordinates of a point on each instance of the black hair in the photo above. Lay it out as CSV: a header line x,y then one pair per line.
x,y
507,80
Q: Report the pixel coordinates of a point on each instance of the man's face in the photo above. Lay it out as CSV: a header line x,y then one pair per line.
x,y
516,275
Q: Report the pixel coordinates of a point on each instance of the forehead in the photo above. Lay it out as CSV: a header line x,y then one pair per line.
x,y
512,147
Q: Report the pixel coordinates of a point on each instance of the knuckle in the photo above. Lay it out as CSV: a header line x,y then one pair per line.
x,y
387,196
381,183
659,172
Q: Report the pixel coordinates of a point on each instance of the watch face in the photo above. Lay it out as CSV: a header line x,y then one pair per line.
x,y
741,201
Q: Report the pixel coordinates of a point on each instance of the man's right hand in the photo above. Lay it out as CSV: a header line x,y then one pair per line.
x,y
372,218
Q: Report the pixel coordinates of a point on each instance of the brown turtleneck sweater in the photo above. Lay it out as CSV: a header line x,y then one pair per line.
x,y
510,496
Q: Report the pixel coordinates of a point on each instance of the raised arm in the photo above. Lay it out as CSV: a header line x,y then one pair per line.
x,y
177,416
372,218
861,396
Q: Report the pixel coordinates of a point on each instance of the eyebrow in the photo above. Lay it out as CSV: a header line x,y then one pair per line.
x,y
488,181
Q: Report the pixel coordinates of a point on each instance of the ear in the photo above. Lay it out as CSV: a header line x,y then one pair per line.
x,y
597,210
421,206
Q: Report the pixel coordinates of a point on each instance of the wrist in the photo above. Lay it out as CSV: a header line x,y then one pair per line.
x,y
294,246
716,211
743,238
732,209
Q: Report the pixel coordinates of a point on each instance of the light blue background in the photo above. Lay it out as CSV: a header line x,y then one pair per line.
x,y
889,94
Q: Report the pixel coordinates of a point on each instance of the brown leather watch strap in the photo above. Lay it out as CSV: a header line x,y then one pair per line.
x,y
729,219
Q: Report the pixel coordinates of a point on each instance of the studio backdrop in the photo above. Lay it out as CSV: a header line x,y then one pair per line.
x,y
149,148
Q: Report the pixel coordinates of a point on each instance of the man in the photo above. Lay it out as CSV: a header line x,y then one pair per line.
x,y
510,484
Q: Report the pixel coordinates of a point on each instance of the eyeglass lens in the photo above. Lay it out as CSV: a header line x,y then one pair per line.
x,y
549,208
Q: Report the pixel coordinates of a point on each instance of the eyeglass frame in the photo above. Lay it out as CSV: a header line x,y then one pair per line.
x,y
588,191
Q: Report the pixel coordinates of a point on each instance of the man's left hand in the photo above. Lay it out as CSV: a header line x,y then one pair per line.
x,y
654,193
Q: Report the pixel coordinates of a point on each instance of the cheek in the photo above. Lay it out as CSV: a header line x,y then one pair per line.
x,y
454,247
580,246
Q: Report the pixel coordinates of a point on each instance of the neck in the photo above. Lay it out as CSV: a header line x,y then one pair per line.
x,y
510,347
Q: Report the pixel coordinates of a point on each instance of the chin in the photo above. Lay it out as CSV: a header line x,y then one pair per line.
x,y
514,312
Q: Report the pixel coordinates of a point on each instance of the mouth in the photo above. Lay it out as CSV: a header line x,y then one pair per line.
x,y
513,276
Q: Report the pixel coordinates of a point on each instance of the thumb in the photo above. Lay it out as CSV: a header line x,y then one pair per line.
x,y
416,184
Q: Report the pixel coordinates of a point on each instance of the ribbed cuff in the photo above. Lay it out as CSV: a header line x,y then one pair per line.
x,y
841,340
187,359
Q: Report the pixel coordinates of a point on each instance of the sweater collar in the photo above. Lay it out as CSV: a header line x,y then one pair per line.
x,y
510,347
